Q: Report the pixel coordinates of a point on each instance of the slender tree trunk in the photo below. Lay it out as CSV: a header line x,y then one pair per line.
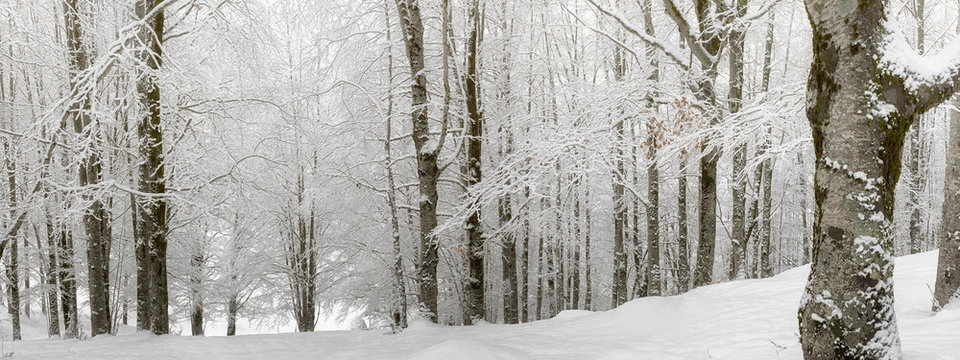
x,y
575,277
525,263
398,268
542,272
653,214
588,282
766,173
68,286
917,153
13,256
640,280
52,280
619,206
683,258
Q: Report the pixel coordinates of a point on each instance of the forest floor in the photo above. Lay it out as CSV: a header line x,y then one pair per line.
x,y
749,319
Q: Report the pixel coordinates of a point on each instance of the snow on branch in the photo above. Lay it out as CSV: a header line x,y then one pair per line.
x,y
668,50
929,79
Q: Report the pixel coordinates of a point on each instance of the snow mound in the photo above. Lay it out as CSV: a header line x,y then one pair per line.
x,y
468,350
572,314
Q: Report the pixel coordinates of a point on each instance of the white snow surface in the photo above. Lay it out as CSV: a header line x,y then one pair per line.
x,y
746,319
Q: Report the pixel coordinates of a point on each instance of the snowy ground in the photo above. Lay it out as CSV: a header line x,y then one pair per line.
x,y
752,319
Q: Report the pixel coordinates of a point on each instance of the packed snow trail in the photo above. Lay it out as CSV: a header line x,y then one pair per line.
x,y
749,319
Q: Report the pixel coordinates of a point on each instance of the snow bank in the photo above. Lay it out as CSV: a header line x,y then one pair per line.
x,y
739,320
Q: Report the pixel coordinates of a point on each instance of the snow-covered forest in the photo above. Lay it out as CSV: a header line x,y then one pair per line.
x,y
490,179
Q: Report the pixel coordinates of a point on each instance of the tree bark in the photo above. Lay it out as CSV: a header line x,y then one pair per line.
x,y
52,279
398,269
232,308
427,150
947,288
96,219
587,279
709,42
619,206
917,153
475,285
196,298
68,286
860,105
152,209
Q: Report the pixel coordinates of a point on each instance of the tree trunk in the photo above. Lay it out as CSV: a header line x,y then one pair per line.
x,y
653,214
427,150
619,206
196,298
475,285
683,258
398,268
524,263
639,268
232,308
766,173
710,42
542,272
96,219
13,256
947,287
52,280
588,283
152,209
917,153
575,277
68,286
860,105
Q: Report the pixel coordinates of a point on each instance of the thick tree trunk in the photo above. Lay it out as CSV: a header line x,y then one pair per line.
x,y
947,287
707,211
427,150
96,219
152,209
475,285
860,105
232,308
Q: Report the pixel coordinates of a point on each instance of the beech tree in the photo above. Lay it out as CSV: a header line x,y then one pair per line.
x,y
865,88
